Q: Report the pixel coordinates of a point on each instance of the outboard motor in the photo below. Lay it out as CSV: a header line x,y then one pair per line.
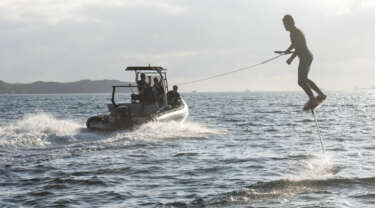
x,y
100,122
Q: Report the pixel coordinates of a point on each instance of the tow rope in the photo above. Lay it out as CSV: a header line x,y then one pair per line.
x,y
231,72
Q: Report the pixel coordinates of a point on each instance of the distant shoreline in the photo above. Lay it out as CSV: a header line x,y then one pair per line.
x,y
82,86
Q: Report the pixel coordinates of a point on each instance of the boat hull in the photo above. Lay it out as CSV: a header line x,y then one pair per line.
x,y
109,122
178,114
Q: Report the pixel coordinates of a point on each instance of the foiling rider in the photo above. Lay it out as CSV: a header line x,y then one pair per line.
x,y
298,43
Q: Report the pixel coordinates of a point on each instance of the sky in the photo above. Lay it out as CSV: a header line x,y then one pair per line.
x,y
71,40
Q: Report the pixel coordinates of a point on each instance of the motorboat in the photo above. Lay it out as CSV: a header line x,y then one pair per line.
x,y
139,111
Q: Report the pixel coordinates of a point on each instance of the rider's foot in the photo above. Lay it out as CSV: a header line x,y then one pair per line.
x,y
311,104
321,97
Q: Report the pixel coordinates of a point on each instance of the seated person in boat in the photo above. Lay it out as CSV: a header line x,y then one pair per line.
x,y
141,85
158,91
173,96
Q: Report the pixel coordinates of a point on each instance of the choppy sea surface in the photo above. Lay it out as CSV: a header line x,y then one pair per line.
x,y
235,150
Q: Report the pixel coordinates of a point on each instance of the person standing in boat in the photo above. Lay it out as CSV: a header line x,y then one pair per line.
x,y
148,95
298,43
158,90
141,85
173,97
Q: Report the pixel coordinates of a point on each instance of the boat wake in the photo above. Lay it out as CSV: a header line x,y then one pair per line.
x,y
37,130
45,130
43,136
173,130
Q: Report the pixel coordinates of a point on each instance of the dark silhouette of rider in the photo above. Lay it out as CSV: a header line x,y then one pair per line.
x,y
298,43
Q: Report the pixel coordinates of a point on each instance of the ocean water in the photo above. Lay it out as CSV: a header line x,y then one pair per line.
x,y
235,150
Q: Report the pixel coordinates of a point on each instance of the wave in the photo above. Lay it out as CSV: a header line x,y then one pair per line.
x,y
315,174
278,191
364,196
286,188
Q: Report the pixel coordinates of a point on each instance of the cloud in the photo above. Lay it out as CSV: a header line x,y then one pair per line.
x,y
367,4
54,12
342,7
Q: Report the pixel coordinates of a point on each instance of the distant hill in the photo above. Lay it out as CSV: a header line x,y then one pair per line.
x,y
82,86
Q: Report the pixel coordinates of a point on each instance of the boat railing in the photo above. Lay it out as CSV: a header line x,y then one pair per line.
x,y
119,86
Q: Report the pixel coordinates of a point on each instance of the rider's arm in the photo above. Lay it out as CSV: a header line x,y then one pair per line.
x,y
289,48
292,56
